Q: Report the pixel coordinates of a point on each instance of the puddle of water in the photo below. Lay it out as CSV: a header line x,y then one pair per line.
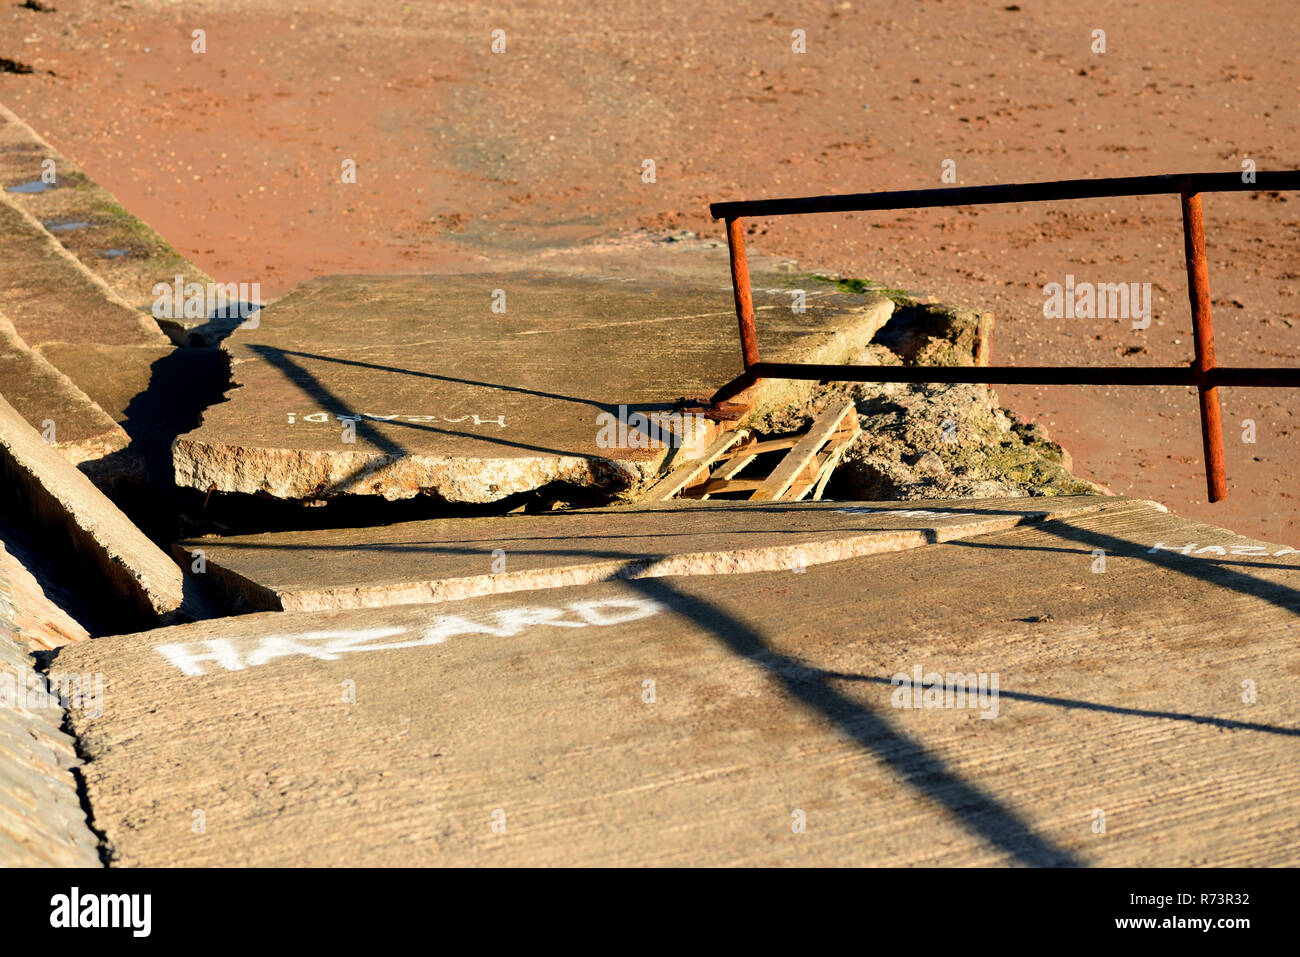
x,y
57,227
35,186
114,253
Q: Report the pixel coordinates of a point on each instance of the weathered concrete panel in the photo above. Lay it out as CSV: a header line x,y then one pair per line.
x,y
50,297
444,559
452,398
737,719
83,525
88,222
41,820
42,394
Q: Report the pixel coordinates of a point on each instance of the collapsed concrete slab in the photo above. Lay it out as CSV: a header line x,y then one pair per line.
x,y
904,708
477,387
446,559
45,491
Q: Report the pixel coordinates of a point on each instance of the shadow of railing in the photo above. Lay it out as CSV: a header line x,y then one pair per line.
x,y
974,808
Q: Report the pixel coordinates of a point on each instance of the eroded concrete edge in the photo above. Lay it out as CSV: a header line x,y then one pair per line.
x,y
42,820
253,596
58,497
245,469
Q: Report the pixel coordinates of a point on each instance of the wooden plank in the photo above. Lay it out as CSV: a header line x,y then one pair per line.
x,y
819,469
828,467
715,486
683,476
732,464
787,471
805,482
834,451
771,445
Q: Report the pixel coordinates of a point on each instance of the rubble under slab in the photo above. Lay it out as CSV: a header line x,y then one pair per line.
x,y
404,386
688,720
933,440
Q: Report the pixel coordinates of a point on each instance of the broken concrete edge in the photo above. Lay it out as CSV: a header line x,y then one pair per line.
x,y
207,467
111,437
100,208
323,474
243,595
42,819
82,522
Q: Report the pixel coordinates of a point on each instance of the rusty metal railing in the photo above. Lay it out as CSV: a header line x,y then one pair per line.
x,y
1203,373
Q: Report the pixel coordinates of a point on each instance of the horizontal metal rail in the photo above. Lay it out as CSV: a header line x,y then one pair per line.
x,y
1010,193
1203,373
1031,375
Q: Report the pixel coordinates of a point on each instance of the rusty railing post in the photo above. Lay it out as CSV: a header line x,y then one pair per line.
x,y
740,286
1203,373
1198,291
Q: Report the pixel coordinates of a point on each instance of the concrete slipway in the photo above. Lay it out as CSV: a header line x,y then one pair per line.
x,y
1148,685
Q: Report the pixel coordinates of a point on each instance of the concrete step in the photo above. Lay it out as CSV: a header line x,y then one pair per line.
x,y
51,297
117,247
135,580
447,559
103,348
48,399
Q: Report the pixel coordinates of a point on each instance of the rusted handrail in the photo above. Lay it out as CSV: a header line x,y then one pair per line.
x,y
1203,373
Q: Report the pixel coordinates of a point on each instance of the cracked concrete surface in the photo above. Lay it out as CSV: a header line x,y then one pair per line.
x,y
451,398
447,559
42,823
694,719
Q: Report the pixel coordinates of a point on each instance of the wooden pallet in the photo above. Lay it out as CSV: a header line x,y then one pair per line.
x,y
804,470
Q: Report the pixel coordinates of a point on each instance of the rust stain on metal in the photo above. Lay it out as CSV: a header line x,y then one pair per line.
x,y
1198,291
740,287
1204,374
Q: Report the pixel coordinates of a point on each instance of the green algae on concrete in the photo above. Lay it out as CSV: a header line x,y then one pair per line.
x,y
100,223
